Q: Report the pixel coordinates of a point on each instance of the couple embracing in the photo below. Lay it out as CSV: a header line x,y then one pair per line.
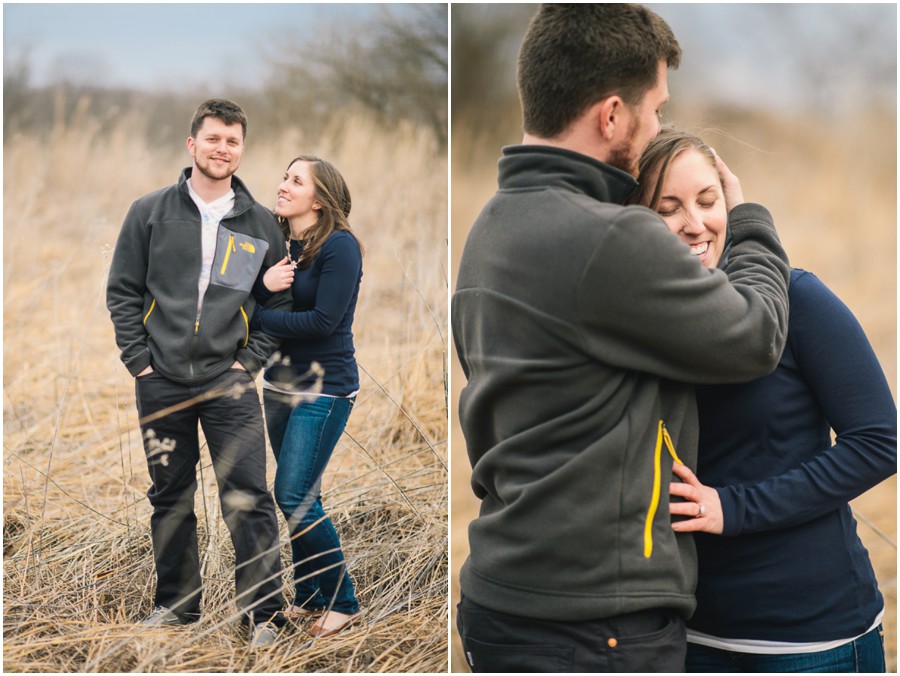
x,y
204,286
643,364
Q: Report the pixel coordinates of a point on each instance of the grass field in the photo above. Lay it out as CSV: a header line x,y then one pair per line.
x,y
78,571
834,200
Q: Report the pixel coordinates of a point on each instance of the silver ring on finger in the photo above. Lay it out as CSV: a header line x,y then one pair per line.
x,y
701,511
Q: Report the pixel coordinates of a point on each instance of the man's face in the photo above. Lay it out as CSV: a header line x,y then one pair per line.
x,y
217,148
643,124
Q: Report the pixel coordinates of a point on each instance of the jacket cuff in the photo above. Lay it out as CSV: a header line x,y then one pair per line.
x,y
245,357
137,364
750,212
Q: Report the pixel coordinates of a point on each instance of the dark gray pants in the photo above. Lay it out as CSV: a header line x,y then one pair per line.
x,y
649,641
233,428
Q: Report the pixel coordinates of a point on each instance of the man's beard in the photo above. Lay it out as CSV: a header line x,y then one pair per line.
x,y
206,170
625,155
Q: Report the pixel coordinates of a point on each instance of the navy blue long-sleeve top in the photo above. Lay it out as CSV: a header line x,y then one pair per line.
x,y
789,565
319,327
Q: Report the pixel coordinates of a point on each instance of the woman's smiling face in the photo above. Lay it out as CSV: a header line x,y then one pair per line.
x,y
693,206
296,196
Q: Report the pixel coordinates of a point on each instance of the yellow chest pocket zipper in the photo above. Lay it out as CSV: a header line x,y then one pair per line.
x,y
228,253
662,437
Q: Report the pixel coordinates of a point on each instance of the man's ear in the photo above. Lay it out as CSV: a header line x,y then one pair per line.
x,y
608,116
190,145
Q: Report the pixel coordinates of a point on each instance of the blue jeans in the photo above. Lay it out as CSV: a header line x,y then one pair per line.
x,y
864,655
303,437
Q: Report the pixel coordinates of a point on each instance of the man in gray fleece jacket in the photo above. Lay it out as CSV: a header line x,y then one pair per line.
x,y
179,295
581,325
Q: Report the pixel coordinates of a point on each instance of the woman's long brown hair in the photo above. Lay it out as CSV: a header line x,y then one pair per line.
x,y
334,196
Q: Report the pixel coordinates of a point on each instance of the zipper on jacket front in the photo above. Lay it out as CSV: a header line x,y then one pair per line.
x,y
193,345
662,437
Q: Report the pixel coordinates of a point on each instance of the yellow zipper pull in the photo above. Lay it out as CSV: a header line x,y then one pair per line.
x,y
670,445
196,327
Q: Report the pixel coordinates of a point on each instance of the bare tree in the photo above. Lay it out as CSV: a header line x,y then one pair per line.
x,y
395,67
486,40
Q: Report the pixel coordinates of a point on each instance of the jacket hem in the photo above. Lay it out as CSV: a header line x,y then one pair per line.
x,y
200,379
567,606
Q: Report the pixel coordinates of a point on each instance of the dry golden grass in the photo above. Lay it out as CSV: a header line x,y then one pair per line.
x,y
78,571
834,199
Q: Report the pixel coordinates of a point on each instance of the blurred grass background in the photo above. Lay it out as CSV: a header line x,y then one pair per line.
x,y
800,101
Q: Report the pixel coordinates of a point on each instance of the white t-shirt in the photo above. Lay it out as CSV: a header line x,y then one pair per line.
x,y
210,216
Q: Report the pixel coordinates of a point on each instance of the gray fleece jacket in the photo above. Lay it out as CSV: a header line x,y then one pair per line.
x,y
152,287
581,326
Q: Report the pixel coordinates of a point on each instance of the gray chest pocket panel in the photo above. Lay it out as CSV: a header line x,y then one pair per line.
x,y
239,258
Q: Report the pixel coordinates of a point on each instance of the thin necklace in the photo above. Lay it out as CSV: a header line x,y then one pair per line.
x,y
287,245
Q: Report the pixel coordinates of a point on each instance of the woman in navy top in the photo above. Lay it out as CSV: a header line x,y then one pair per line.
x,y
310,392
784,582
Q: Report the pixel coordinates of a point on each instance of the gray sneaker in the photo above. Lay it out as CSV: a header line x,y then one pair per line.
x,y
263,635
162,617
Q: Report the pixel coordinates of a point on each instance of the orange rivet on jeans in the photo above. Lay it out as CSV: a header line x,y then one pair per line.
x,y
612,643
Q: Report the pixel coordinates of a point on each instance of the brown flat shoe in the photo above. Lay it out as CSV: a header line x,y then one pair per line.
x,y
319,631
298,613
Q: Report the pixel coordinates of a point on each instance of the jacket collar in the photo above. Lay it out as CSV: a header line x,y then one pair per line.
x,y
533,166
243,200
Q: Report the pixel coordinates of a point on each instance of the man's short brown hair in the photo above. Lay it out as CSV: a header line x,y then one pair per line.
x,y
221,109
575,55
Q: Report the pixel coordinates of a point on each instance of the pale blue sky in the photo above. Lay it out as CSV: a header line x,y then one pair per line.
x,y
174,45
789,55
817,54
836,52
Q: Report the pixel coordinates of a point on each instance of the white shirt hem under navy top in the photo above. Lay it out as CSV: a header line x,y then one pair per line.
x,y
740,645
